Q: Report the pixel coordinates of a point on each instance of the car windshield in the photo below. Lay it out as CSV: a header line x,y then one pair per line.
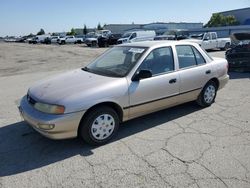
x,y
91,35
101,32
126,35
116,62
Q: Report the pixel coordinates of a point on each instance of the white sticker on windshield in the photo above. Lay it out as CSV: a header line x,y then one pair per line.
x,y
136,50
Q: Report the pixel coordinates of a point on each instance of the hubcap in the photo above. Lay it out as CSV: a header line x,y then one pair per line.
x,y
209,94
103,126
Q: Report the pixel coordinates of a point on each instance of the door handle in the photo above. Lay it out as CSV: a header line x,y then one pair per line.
x,y
208,71
172,81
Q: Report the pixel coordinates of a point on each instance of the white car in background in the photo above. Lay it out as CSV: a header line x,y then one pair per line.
x,y
55,39
210,41
137,36
91,39
73,40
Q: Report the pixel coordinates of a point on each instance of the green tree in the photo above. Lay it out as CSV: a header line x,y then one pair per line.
x,y
218,20
72,32
85,30
41,32
99,27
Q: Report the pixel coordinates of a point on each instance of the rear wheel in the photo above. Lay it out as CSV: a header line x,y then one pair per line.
x,y
208,94
227,45
99,126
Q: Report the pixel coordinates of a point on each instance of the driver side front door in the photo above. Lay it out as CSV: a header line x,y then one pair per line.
x,y
159,91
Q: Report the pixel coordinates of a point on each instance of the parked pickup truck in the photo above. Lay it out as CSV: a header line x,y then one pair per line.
x,y
92,37
73,39
210,40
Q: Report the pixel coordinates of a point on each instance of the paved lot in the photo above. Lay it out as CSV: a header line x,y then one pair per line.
x,y
185,146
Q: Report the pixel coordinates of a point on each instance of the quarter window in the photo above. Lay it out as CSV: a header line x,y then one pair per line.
x,y
159,61
199,58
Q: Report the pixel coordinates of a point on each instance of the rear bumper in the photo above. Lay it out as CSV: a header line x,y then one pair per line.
x,y
65,125
223,81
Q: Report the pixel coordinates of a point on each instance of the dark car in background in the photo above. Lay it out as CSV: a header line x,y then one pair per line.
x,y
238,56
111,39
178,34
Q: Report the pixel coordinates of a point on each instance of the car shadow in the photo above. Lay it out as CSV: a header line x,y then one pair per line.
x,y
239,75
23,149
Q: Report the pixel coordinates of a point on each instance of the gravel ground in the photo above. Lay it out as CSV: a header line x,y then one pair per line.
x,y
185,146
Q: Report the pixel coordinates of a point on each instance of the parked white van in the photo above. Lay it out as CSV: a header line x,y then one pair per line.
x,y
137,36
40,39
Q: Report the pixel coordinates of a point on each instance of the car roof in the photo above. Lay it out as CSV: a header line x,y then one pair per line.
x,y
153,44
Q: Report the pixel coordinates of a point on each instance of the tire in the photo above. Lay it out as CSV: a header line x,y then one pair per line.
x,y
93,128
106,44
207,95
93,44
227,45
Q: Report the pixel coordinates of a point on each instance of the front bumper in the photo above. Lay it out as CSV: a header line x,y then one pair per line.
x,y
65,125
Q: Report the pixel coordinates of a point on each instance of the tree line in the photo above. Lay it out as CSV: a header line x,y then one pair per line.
x,y
73,31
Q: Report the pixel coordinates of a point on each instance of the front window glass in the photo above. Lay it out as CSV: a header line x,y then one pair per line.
x,y
133,36
159,61
207,36
126,35
116,62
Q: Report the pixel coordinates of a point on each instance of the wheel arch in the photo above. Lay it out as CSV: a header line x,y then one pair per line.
x,y
112,105
216,81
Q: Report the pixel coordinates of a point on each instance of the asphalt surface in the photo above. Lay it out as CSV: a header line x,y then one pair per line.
x,y
184,146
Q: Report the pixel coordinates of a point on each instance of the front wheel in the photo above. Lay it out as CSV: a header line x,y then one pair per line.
x,y
94,44
99,126
208,94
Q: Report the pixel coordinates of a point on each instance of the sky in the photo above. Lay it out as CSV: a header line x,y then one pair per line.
x,y
22,17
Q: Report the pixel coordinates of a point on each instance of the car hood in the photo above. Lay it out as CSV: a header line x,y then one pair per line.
x,y
58,89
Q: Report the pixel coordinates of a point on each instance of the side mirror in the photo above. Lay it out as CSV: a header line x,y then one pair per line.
x,y
142,74
205,39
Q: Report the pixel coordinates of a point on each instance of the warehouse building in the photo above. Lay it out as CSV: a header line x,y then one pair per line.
x,y
159,27
242,15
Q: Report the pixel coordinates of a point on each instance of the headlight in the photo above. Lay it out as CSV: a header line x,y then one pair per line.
x,y
49,108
